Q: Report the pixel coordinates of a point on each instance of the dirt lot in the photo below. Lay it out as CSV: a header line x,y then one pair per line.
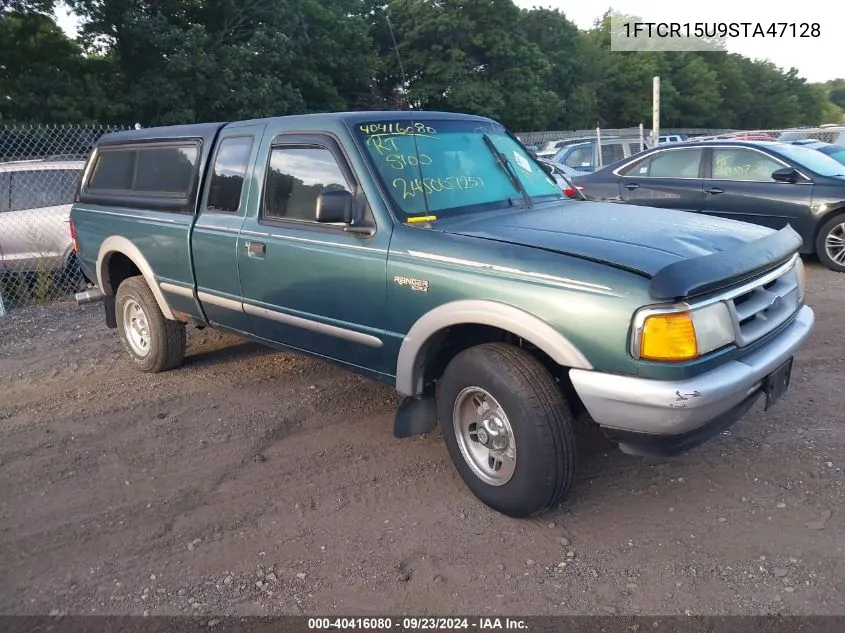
x,y
256,482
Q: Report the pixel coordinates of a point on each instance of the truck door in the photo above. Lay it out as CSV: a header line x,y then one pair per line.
x,y
309,285
214,242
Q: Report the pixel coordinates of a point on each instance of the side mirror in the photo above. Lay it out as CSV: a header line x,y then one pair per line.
x,y
786,174
334,206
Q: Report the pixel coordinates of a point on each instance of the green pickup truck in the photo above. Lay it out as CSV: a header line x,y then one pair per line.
x,y
430,251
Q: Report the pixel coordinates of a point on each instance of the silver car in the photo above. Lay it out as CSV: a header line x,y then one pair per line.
x,y
35,201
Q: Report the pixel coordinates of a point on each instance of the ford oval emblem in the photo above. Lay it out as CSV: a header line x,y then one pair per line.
x,y
777,300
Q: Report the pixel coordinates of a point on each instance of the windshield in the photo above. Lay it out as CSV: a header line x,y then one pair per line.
x,y
451,167
812,159
835,152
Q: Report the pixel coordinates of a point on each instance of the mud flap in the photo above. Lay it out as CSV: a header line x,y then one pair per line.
x,y
415,416
111,317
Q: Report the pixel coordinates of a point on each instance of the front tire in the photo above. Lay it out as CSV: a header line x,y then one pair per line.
x,y
154,342
830,244
508,429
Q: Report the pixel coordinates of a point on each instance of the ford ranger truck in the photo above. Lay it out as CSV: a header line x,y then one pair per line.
x,y
431,252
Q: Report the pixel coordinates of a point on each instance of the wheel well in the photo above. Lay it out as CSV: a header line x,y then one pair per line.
x,y
451,341
120,268
833,214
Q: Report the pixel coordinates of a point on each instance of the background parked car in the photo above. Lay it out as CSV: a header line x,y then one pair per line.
x,y
672,138
35,201
772,184
836,152
563,176
583,156
550,148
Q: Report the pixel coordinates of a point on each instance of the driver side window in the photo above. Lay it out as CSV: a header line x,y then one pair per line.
x,y
295,179
738,163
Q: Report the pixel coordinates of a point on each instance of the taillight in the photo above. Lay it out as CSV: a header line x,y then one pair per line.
x,y
73,236
571,192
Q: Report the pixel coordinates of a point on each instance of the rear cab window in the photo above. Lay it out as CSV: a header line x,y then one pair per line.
x,y
145,170
228,173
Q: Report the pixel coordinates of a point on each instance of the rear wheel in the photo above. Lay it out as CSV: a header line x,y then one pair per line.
x,y
830,244
154,342
508,429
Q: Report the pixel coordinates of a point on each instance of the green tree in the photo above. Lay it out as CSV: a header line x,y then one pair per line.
x,y
837,96
185,61
694,99
560,43
46,77
468,56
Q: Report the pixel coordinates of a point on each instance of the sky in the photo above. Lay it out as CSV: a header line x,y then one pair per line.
x,y
816,58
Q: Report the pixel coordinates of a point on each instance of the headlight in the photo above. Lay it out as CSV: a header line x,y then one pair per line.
x,y
801,274
680,335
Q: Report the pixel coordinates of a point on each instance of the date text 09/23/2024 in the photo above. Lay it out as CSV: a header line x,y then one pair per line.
x,y
417,623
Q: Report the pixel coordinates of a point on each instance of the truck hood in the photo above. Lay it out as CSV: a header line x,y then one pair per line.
x,y
641,239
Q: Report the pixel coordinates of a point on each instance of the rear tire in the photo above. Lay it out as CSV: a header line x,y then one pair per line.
x,y
830,244
508,429
154,342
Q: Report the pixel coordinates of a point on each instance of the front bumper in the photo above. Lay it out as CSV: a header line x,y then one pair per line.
x,y
677,415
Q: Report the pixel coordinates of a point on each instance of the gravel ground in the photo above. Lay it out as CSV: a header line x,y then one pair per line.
x,y
256,482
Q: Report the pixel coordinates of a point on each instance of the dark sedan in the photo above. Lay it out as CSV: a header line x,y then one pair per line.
x,y
772,184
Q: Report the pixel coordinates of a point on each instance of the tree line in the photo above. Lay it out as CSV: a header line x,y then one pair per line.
x,y
181,61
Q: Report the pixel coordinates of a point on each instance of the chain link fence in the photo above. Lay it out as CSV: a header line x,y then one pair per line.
x,y
40,169
547,139
539,139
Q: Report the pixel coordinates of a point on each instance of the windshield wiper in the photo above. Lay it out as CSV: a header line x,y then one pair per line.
x,y
509,170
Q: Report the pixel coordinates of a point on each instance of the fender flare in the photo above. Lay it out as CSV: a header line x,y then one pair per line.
x,y
412,353
119,244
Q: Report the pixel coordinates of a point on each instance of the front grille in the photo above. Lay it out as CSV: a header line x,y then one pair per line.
x,y
760,308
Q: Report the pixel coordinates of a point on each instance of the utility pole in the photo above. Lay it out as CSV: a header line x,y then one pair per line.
x,y
655,111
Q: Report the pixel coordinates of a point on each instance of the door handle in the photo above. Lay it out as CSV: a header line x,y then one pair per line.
x,y
631,186
256,249
714,191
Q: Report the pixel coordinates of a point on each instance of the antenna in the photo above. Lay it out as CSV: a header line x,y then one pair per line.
x,y
410,111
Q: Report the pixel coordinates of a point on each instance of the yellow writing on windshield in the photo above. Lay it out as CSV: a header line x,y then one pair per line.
x,y
397,128
410,188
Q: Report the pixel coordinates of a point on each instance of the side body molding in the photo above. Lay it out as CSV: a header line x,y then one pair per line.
x,y
412,354
119,244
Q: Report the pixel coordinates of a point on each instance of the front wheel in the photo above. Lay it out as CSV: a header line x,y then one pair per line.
x,y
830,244
508,429
154,342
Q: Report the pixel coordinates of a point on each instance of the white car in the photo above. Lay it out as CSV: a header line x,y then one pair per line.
x,y
35,201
